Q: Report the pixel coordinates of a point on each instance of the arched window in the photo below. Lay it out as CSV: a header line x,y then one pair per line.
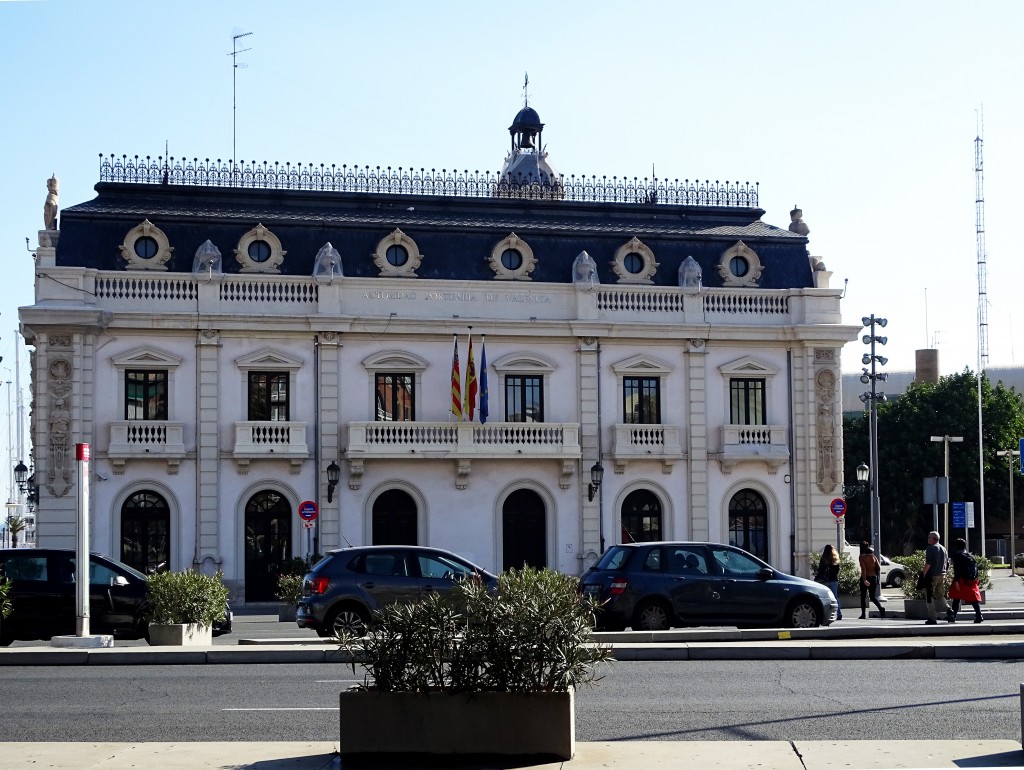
x,y
268,543
641,517
394,519
145,532
523,530
748,523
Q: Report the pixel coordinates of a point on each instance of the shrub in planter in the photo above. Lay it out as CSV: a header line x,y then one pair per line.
x,y
849,573
490,671
187,597
5,597
914,564
289,588
532,634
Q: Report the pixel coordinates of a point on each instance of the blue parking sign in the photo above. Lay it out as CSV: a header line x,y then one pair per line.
x,y
959,515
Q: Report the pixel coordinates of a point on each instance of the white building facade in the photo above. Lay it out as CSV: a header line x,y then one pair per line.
x,y
226,339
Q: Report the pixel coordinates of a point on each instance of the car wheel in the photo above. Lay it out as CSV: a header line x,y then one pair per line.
x,y
803,613
651,615
896,579
348,619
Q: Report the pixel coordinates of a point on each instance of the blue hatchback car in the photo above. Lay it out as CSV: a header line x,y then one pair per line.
x,y
654,586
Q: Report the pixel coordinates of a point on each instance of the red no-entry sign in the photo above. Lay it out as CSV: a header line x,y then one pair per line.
x,y
308,510
838,507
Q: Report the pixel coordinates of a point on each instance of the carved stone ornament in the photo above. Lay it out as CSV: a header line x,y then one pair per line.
x,y
259,251
51,206
521,258
739,265
405,256
648,265
146,247
59,341
58,471
825,427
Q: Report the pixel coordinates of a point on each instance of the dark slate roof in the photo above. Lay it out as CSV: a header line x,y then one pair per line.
x,y
455,234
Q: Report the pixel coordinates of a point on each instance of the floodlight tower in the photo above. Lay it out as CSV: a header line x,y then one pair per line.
x,y
979,226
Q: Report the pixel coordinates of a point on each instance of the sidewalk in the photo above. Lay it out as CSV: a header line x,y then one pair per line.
x,y
625,755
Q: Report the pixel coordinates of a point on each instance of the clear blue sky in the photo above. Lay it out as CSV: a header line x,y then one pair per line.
x,y
865,115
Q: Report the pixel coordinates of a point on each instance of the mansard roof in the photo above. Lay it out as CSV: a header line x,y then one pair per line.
x,y
455,221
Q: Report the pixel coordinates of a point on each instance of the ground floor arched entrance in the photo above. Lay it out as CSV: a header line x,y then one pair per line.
x,y
523,530
268,544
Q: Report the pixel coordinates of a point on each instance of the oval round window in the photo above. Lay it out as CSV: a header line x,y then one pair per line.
x,y
146,247
511,259
739,266
397,255
633,262
259,251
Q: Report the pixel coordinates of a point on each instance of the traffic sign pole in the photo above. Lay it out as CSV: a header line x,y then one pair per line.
x,y
838,509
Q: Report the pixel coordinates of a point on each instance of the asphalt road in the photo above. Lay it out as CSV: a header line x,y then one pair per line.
x,y
684,701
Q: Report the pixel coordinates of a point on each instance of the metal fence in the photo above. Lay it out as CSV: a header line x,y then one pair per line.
x,y
403,181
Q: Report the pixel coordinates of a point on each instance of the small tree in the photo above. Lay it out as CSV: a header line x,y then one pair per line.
x,y
16,525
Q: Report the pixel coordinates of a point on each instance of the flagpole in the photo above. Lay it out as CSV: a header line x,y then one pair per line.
x,y
484,395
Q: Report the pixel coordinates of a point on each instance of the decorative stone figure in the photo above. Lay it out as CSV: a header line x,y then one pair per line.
x,y
690,274
797,225
50,207
825,428
584,271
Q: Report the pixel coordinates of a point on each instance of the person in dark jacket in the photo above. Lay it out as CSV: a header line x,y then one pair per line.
x,y
869,570
828,574
964,587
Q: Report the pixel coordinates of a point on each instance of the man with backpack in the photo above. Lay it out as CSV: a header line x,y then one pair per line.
x,y
965,582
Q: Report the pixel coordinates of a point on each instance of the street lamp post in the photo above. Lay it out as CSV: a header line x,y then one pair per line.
x,y
1009,454
946,440
871,398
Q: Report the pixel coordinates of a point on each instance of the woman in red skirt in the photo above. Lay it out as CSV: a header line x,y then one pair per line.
x,y
965,582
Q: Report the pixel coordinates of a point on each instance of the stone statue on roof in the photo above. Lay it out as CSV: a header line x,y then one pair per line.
x,y
50,207
797,225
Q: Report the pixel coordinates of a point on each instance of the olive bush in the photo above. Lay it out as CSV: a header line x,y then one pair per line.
x,y
914,565
530,634
186,597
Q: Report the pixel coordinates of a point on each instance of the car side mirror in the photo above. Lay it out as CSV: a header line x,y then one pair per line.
x,y
766,573
118,581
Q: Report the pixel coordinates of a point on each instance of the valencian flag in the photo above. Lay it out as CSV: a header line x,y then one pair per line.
x,y
469,407
456,383
483,380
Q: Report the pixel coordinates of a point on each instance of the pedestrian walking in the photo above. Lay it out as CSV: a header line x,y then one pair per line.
x,y
828,574
965,581
936,563
869,571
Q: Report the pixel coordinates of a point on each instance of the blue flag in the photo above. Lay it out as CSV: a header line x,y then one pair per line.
x,y
483,381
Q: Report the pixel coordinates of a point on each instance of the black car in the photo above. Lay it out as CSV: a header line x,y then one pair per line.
x,y
43,596
654,586
344,587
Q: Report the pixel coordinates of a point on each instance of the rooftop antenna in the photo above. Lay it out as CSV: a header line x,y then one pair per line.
x,y
526,91
237,34
926,337
979,213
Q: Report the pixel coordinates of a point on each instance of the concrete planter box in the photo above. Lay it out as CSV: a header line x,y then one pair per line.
x,y
917,609
180,635
286,613
376,723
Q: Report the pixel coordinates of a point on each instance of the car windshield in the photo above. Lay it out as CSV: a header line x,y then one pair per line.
x,y
614,558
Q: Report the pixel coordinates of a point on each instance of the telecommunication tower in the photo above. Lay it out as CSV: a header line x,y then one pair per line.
x,y
979,214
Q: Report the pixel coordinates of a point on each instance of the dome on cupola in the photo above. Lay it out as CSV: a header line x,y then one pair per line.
x,y
527,162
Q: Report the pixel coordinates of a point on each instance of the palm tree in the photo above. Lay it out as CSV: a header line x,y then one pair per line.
x,y
16,525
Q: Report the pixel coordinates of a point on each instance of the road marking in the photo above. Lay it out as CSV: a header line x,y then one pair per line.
x,y
286,708
336,681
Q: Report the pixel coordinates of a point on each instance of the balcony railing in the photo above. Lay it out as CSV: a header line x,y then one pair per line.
x,y
754,443
647,442
270,440
146,439
463,442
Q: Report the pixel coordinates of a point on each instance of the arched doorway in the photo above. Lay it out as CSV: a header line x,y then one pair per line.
x,y
641,517
748,523
146,532
268,543
394,519
523,530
